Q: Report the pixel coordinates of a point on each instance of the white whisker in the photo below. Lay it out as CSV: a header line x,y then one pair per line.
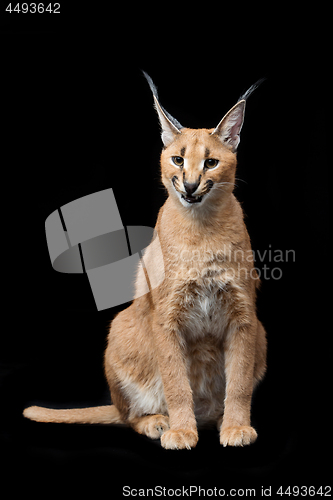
x,y
239,179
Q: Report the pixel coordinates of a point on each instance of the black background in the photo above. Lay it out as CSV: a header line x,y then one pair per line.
x,y
78,118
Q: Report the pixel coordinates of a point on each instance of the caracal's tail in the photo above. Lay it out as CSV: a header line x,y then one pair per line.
x,y
95,415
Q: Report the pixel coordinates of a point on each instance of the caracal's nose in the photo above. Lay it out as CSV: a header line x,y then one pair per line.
x,y
190,187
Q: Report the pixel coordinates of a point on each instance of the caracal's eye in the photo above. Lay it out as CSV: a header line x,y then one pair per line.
x,y
211,163
178,160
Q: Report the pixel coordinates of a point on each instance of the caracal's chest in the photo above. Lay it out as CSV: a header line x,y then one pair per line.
x,y
203,313
198,280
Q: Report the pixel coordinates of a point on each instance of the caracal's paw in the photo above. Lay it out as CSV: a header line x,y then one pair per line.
x,y
155,426
179,439
238,435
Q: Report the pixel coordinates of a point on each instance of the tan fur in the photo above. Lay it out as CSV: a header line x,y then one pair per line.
x,y
96,415
192,350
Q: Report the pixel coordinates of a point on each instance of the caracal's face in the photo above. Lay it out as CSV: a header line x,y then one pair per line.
x,y
197,169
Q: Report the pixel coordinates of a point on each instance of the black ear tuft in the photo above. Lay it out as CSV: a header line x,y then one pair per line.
x,y
151,84
153,88
250,91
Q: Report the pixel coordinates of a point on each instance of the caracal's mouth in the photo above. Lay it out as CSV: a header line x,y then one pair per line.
x,y
191,199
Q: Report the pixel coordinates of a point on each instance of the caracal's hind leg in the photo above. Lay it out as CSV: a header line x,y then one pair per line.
x,y
152,426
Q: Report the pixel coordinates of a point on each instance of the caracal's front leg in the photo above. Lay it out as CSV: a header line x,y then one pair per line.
x,y
240,344
178,394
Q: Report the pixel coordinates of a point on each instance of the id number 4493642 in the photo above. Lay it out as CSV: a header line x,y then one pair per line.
x,y
308,491
33,8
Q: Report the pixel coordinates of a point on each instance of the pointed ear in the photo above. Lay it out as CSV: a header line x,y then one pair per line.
x,y
229,128
171,128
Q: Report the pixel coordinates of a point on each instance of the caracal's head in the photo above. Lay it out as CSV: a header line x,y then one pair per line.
x,y
198,165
